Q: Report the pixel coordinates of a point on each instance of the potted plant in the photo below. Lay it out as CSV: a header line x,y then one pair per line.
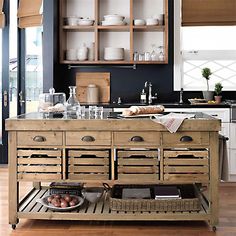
x,y
206,73
218,91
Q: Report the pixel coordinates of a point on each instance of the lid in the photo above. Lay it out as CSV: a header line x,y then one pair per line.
x,y
92,86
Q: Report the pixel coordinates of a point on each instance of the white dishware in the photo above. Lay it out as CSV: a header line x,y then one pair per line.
x,y
152,21
113,22
72,20
114,17
139,22
92,93
71,54
113,54
82,53
160,18
91,52
87,22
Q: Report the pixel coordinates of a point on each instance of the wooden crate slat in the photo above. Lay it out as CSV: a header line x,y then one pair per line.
x,y
88,176
195,153
143,177
48,161
137,153
138,161
89,169
186,169
89,161
182,161
41,168
38,176
79,153
50,153
187,177
133,169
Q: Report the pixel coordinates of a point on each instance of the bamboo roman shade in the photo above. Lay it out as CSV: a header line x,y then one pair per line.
x,y
2,15
29,13
208,12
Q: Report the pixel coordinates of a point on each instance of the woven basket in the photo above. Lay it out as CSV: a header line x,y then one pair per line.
x,y
163,205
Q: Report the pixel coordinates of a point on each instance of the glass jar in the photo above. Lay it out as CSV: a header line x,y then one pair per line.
x,y
154,55
72,102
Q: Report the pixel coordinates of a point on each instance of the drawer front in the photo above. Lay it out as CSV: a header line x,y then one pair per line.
x,y
88,165
39,138
186,165
136,138
185,138
88,138
39,165
138,165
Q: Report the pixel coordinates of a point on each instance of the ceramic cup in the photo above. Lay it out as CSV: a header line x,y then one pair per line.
x,y
71,54
82,53
72,20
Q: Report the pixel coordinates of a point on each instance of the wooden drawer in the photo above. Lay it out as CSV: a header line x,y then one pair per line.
x,y
40,165
39,138
185,138
137,138
88,165
88,138
138,165
186,165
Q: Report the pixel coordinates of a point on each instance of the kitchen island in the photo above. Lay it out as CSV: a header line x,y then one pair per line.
x,y
124,151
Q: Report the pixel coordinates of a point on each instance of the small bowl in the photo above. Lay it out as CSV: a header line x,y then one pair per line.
x,y
87,22
139,22
152,21
92,194
114,17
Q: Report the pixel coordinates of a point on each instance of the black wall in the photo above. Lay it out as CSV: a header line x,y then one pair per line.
x,y
125,83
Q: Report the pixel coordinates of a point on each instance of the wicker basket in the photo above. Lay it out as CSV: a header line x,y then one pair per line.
x,y
189,201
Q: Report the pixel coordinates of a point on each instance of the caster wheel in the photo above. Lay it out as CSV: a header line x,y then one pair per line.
x,y
214,228
13,227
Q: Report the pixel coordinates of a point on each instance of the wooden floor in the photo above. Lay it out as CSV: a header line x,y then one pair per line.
x,y
227,225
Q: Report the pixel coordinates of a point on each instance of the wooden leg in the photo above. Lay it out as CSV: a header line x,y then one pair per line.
x,y
13,184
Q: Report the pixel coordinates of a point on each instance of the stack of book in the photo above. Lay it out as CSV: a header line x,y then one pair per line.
x,y
166,192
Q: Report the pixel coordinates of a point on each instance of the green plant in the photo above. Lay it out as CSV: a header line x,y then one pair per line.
x,y
218,89
206,73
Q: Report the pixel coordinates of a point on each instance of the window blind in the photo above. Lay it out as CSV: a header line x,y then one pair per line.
x,y
2,15
208,12
29,13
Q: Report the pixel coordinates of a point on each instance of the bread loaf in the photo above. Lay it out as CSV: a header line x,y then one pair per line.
x,y
139,110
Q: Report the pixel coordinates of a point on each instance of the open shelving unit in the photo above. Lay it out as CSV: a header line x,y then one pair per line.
x,y
131,37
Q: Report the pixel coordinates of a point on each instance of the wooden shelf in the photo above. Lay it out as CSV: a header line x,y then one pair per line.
x,y
78,28
114,28
30,209
159,28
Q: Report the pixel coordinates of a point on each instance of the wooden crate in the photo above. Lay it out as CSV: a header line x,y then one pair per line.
x,y
40,165
135,164
88,164
186,165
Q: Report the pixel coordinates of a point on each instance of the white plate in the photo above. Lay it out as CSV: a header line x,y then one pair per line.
x,y
45,203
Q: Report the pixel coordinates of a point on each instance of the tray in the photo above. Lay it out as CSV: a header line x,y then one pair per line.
x,y
188,202
45,203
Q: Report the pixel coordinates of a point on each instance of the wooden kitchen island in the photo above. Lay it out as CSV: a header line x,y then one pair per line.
x,y
127,151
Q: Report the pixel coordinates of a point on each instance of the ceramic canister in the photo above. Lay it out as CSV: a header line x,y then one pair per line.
x,y
92,94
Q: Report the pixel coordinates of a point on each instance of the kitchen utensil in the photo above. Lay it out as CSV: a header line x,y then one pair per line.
x,y
92,94
114,17
152,21
71,54
113,22
139,22
92,194
72,20
82,53
87,22
113,54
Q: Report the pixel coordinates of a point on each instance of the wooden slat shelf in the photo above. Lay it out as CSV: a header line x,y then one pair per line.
x,y
114,28
99,211
78,28
159,28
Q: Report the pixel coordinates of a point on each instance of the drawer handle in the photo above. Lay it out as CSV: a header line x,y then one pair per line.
x,y
88,139
39,139
137,139
186,139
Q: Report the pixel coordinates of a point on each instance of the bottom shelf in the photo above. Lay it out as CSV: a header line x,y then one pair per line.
x,y
30,209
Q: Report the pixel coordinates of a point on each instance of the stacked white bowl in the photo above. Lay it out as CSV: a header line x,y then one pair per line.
x,y
113,20
113,54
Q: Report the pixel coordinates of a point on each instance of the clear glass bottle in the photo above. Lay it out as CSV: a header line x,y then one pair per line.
x,y
161,56
143,97
72,102
154,56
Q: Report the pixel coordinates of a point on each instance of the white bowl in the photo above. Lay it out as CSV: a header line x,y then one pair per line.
x,y
152,21
86,22
114,17
72,20
113,54
139,22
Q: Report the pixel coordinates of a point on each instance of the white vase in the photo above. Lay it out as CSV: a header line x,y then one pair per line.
x,y
208,95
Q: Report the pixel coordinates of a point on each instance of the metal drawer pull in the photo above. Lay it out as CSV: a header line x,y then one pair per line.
x,y
39,139
137,139
88,139
186,139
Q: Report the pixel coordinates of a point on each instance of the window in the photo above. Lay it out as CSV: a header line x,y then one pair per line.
x,y
205,46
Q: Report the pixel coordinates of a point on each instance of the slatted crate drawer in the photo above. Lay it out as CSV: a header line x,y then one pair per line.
x,y
186,165
138,165
40,165
88,164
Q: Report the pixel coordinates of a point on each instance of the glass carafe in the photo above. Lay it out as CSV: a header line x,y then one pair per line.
x,y
72,102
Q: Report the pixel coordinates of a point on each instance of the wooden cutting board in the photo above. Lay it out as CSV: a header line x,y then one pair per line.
x,y
101,79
